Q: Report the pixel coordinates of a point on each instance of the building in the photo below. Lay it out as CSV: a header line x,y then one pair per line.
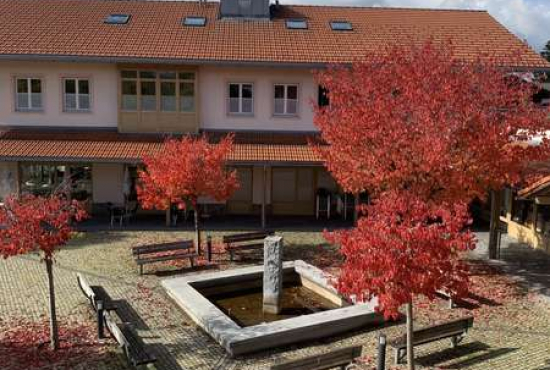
x,y
526,213
87,87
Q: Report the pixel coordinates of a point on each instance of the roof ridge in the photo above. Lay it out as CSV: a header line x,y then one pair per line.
x,y
374,7
300,5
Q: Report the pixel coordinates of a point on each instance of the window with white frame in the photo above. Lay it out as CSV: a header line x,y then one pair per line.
x,y
76,95
28,91
241,98
286,100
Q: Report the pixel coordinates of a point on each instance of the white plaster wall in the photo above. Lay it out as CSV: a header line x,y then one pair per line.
x,y
213,94
103,79
8,178
107,182
258,185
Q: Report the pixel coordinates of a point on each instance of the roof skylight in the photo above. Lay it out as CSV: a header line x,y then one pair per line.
x,y
298,24
194,21
341,26
117,19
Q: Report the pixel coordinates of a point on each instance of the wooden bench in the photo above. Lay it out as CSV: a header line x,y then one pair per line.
x,y
164,252
339,358
456,330
247,241
130,342
446,296
95,293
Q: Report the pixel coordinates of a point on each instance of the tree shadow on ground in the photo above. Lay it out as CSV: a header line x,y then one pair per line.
x,y
476,352
95,239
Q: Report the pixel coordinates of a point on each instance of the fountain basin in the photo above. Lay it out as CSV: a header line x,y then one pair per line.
x,y
211,300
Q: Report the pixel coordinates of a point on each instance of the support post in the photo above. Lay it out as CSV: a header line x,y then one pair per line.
x,y
209,248
264,196
494,224
381,352
100,331
273,275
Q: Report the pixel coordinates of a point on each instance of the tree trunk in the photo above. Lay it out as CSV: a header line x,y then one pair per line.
x,y
54,333
410,347
494,224
197,229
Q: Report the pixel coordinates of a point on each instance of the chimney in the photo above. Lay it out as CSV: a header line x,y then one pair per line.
x,y
255,9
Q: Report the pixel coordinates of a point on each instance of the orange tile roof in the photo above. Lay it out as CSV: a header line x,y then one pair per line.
x,y
33,145
535,188
75,28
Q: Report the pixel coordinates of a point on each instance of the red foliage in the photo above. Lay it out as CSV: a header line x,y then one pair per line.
x,y
424,133
23,345
33,223
421,119
403,249
185,170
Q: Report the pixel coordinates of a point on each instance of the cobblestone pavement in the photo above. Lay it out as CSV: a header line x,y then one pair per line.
x,y
514,336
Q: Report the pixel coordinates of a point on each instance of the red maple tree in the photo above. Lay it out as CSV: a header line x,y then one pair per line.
x,y
424,133
39,224
185,170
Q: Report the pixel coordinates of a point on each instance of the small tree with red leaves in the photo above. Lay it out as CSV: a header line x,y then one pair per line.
x,y
424,133
39,224
185,170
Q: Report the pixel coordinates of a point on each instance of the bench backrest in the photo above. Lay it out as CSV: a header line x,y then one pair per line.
x,y
441,330
340,357
163,247
85,288
235,238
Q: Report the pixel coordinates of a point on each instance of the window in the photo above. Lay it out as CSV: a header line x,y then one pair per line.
x,y
44,179
168,99
241,100
28,94
164,91
76,95
117,19
148,96
194,21
286,100
298,24
522,211
341,26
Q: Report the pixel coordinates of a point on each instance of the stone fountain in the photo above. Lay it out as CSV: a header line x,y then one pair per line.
x,y
256,308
